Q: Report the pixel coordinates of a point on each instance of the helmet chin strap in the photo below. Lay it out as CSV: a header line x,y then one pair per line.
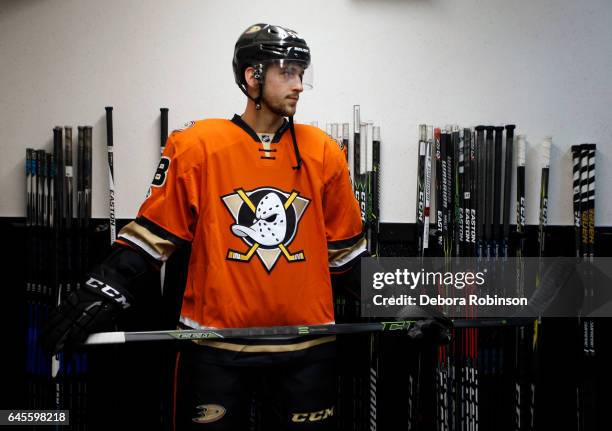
x,y
258,99
296,149
258,75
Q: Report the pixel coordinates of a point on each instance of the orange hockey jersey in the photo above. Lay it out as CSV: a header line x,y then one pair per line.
x,y
264,236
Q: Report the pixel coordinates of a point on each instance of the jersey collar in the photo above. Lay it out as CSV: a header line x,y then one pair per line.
x,y
238,121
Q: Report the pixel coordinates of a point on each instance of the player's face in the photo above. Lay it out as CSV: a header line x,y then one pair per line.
x,y
282,88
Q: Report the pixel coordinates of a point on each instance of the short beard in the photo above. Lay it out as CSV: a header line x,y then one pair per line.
x,y
277,109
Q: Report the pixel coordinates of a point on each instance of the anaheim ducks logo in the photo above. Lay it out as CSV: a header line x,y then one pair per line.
x,y
266,219
209,413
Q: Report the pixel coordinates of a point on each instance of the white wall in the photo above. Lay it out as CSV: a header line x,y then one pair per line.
x,y
542,64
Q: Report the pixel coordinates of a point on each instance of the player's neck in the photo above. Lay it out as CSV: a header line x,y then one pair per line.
x,y
262,121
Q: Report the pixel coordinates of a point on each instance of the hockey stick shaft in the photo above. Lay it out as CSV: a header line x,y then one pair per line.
x,y
438,186
375,189
420,208
163,133
480,190
427,179
520,195
265,331
111,173
490,189
356,142
576,201
546,144
270,331
507,187
345,140
497,188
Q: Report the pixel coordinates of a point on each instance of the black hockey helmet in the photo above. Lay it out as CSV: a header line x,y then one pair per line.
x,y
262,44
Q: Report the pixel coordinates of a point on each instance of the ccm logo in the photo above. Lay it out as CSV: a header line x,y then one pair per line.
x,y
108,291
312,416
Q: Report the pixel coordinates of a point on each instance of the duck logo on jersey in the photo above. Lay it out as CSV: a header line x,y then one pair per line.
x,y
266,219
209,413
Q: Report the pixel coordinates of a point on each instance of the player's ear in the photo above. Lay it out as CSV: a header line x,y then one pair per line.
x,y
249,78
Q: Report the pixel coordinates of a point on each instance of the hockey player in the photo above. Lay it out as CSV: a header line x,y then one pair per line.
x,y
268,208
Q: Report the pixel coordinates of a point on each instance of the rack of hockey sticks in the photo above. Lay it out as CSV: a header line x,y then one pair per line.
x,y
62,243
365,169
464,186
357,386
57,225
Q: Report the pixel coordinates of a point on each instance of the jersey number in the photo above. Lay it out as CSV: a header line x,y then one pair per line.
x,y
160,175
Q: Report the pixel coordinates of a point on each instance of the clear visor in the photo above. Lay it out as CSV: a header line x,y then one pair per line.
x,y
291,70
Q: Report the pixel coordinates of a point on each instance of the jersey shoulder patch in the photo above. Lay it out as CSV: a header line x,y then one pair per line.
x,y
185,126
205,125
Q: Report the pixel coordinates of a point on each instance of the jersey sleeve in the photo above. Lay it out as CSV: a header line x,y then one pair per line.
x,y
343,225
167,218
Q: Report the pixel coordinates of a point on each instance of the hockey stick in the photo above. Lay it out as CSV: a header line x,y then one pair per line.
x,y
576,201
446,181
590,252
507,189
457,191
586,391
163,135
374,215
68,185
490,190
345,140
427,180
438,188
81,361
356,142
497,189
420,207
546,144
480,190
57,209
31,239
111,175
521,350
520,199
463,337
373,231
545,157
87,187
265,331
460,204
268,331
443,221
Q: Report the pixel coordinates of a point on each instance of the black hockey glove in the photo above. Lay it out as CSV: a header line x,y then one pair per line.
x,y
92,308
431,326
436,330
98,304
